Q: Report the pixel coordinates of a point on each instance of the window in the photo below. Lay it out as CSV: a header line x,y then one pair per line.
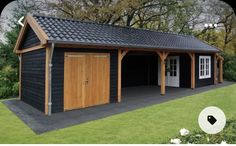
x,y
204,67
173,64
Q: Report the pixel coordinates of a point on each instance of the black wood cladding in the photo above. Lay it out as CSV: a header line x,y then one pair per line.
x,y
30,39
185,70
33,78
58,75
33,75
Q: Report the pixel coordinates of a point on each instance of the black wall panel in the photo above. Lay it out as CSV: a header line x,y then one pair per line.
x,y
30,39
185,71
208,81
58,75
33,78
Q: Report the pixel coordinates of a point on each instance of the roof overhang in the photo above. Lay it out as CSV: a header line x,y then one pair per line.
x,y
70,44
29,21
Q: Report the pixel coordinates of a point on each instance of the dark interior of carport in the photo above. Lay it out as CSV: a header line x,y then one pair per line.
x,y
140,68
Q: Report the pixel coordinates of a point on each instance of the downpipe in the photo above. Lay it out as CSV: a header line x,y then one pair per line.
x,y
50,81
19,57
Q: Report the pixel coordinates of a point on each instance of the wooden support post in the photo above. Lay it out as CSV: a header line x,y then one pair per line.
x,y
163,56
215,69
221,71
48,51
119,74
120,57
192,56
163,77
220,59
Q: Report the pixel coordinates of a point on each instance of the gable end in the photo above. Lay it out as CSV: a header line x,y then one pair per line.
x,y
30,39
30,29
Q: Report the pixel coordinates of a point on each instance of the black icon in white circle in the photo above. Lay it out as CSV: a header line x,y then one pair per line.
x,y
211,119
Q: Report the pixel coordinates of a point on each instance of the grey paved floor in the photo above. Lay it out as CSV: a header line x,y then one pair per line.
x,y
132,98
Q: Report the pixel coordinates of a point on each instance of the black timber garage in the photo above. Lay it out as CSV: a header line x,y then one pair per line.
x,y
133,57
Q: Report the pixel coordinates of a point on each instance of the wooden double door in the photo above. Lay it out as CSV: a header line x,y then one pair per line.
x,y
86,79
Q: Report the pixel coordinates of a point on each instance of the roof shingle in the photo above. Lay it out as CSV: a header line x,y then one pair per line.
x,y
78,32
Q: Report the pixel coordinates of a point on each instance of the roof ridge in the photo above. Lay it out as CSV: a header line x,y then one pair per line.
x,y
126,27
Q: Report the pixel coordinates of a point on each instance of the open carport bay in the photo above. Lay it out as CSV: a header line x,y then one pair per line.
x,y
139,69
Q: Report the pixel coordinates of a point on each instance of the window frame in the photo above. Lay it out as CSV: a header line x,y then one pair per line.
x,y
204,68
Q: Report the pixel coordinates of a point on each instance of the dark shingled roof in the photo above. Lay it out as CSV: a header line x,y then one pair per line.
x,y
68,31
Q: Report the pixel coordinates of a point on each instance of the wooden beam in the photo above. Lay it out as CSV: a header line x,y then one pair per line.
x,y
163,56
119,74
219,57
114,47
215,69
20,36
221,71
30,49
48,51
192,56
124,53
20,66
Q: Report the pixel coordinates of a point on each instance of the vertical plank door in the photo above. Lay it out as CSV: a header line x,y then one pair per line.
x,y
97,89
74,77
86,80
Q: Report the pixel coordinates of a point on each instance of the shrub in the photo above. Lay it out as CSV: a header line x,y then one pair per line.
x,y
228,135
8,82
229,67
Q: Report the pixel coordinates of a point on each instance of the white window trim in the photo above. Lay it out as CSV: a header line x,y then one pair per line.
x,y
204,76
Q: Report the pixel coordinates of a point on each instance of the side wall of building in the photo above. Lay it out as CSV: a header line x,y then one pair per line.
x,y
33,78
33,71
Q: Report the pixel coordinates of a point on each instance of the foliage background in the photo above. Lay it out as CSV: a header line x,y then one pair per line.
x,y
177,16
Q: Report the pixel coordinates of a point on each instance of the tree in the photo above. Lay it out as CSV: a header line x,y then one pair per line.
x,y
8,59
222,14
172,15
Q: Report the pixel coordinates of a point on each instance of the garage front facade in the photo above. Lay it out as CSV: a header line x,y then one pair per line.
x,y
68,64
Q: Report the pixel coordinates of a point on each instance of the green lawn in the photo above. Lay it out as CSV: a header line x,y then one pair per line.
x,y
153,124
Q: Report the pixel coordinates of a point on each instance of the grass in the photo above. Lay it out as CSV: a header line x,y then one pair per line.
x,y
154,124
